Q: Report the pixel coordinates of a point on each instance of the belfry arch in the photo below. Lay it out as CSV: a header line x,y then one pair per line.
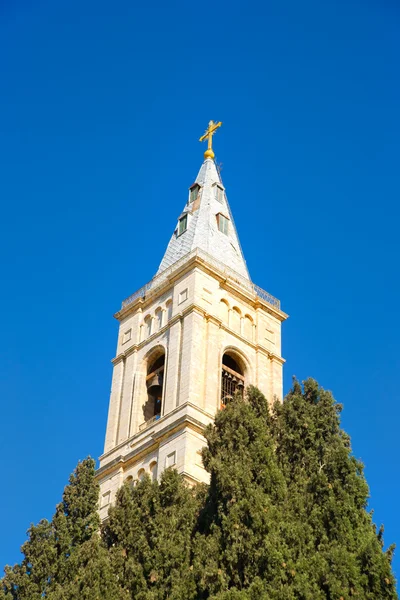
x,y
233,373
152,409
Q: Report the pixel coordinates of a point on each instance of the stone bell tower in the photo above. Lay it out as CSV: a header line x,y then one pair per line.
x,y
188,339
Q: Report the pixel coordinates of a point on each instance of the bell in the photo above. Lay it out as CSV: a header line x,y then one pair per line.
x,y
240,384
226,399
154,383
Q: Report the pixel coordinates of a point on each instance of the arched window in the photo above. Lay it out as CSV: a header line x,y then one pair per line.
x,y
236,315
169,309
154,384
248,328
224,310
141,474
153,470
147,326
159,318
232,378
129,480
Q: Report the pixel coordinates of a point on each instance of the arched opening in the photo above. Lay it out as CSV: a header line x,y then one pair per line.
x,y
154,385
168,306
153,470
248,327
129,480
141,474
232,377
224,310
159,318
236,316
147,326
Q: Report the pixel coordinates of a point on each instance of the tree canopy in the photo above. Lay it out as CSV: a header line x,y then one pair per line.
x,y
284,518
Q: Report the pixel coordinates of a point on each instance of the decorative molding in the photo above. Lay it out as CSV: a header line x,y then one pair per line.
x,y
151,441
165,280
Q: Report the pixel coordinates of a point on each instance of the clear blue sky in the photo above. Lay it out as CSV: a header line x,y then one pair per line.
x,y
101,107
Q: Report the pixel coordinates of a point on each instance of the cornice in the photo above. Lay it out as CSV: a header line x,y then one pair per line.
x,y
131,440
151,440
193,262
158,290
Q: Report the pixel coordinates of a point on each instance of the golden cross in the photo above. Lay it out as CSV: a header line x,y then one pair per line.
x,y
211,129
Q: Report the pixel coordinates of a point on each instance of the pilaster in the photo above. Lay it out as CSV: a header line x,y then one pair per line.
x,y
114,407
127,393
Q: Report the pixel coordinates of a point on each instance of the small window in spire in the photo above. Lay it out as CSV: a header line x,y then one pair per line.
x,y
219,194
194,193
223,223
182,225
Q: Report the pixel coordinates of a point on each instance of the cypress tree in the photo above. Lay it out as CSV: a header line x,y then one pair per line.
x,y
239,529
65,556
84,566
91,575
284,518
149,533
334,548
31,579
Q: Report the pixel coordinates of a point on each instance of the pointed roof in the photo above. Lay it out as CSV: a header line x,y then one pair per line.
x,y
202,230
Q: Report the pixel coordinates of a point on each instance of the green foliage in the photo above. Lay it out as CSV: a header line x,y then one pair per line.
x,y
90,577
30,579
65,559
240,524
335,548
284,518
149,533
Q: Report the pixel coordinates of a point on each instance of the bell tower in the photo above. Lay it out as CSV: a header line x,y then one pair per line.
x,y
199,331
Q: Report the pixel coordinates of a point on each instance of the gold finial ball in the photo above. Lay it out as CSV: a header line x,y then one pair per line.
x,y
209,154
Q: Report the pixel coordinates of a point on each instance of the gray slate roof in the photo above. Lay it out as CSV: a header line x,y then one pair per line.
x,y
202,227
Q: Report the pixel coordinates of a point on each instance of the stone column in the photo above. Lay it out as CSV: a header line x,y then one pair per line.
x,y
213,367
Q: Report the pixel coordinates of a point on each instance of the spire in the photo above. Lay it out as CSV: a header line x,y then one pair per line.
x,y
206,222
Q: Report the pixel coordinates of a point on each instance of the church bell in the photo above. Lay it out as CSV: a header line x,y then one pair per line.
x,y
154,384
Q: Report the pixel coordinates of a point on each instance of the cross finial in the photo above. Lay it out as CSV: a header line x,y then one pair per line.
x,y
211,129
